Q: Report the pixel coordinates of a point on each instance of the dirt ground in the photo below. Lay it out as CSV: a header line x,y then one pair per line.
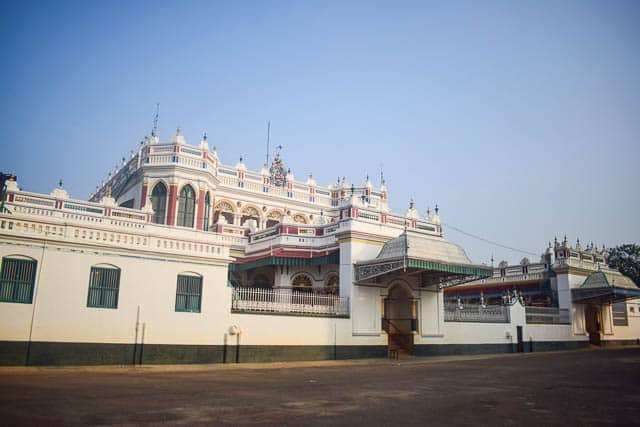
x,y
590,387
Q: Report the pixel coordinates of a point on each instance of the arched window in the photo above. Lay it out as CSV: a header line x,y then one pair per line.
x,y
302,283
104,286
250,213
186,206
17,279
207,210
332,286
159,203
273,218
224,210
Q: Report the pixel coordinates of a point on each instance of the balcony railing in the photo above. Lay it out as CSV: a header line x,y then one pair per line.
x,y
288,301
476,313
548,315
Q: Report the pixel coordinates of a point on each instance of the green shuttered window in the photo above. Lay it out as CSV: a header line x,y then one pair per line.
x,y
17,280
189,293
104,284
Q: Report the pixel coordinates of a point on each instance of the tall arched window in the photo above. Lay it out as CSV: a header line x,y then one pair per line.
x,y
186,207
207,210
159,203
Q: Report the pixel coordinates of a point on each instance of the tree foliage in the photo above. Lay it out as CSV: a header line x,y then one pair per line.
x,y
626,258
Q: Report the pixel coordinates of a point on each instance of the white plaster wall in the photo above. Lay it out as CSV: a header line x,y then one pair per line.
x,y
552,333
366,311
632,330
61,312
431,313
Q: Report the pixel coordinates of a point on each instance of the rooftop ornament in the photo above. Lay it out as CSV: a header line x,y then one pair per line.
x,y
513,297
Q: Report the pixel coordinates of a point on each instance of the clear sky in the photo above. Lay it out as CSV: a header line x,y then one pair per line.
x,y
520,119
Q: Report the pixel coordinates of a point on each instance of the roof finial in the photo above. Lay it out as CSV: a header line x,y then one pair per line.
x,y
204,135
60,183
437,209
154,131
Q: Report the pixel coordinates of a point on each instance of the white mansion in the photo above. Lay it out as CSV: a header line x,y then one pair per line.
x,y
179,258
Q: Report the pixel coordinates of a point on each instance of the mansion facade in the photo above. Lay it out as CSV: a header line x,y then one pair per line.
x,y
180,258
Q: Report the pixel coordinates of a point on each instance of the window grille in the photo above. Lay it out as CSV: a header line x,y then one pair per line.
x,y
186,207
17,280
619,310
159,203
104,286
189,293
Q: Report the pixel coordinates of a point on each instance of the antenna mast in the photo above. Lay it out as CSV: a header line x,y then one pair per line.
x,y
154,131
268,138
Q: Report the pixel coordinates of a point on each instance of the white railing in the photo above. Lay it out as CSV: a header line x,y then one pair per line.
x,y
548,315
476,313
288,301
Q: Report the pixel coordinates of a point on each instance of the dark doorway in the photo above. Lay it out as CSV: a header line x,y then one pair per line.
x,y
592,323
399,320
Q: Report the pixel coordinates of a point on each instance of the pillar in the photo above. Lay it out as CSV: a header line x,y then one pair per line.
x,y
143,196
171,203
200,216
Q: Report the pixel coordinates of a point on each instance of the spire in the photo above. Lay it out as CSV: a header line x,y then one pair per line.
x,y
436,217
204,144
240,165
179,137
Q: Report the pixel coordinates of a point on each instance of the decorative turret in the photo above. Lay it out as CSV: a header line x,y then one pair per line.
x,y
310,181
289,177
578,245
436,217
204,143
240,166
178,138
412,212
264,171
108,200
59,192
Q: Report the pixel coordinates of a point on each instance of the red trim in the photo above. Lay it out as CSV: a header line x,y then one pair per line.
x,y
171,209
200,209
143,200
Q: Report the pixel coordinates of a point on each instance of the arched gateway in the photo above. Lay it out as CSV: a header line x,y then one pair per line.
x,y
399,318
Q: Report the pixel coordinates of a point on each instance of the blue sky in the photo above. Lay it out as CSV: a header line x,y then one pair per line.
x,y
520,119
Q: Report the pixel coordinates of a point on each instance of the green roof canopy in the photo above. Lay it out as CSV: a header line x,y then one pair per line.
x,y
333,258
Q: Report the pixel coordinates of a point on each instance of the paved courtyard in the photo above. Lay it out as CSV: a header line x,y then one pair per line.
x,y
592,387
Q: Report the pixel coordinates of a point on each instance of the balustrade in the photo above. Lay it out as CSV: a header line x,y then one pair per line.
x,y
288,301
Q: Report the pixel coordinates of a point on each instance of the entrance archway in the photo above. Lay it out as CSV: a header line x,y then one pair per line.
x,y
592,323
400,318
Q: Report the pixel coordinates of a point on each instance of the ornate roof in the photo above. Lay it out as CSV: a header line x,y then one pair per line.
x,y
425,247
608,279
